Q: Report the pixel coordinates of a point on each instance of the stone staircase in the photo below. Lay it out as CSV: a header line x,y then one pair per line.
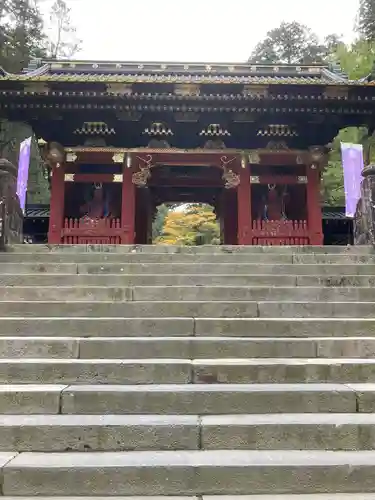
x,y
195,372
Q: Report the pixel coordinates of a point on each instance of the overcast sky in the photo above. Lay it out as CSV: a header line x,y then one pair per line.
x,y
197,30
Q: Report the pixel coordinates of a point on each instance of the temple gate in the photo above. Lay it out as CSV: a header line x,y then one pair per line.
x,y
119,139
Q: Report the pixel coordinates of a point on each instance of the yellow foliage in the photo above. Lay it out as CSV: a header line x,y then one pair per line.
x,y
196,225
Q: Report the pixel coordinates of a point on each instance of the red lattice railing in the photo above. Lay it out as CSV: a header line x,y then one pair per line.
x,y
280,232
91,231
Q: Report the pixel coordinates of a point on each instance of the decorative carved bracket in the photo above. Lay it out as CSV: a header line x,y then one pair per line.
x,y
231,180
141,177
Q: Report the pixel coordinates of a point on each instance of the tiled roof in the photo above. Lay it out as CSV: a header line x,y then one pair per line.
x,y
116,72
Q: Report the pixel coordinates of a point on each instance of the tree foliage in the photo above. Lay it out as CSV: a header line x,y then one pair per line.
x,y
22,35
366,20
292,43
196,224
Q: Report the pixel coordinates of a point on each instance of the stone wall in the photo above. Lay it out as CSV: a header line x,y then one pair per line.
x,y
364,220
11,213
11,136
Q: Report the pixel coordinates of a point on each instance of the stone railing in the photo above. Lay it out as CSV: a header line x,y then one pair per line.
x,y
11,217
364,220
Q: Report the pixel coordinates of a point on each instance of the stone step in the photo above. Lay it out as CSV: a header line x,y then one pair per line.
x,y
188,293
111,327
313,496
160,258
185,371
199,309
185,348
143,309
99,371
324,431
186,399
282,327
116,280
30,399
121,280
278,370
190,269
188,472
211,399
319,496
94,327
210,268
207,249
98,432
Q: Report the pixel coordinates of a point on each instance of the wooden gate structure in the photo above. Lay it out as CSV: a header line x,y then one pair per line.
x,y
121,138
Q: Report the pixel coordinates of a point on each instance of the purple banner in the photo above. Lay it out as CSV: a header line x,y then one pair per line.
x,y
352,163
23,171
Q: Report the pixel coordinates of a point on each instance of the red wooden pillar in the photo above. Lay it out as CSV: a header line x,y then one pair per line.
x,y
128,208
314,210
244,236
56,217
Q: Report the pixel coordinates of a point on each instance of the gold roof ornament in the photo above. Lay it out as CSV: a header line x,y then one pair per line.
x,y
277,146
71,157
277,130
94,128
215,130
118,158
254,158
158,129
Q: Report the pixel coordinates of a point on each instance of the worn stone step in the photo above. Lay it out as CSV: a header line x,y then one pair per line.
x,y
190,399
98,432
97,327
322,431
121,280
185,348
113,280
99,371
180,371
314,309
18,268
187,293
284,327
199,309
184,327
30,399
313,496
226,347
279,370
189,472
233,293
214,268
160,258
133,309
39,347
165,258
217,347
208,249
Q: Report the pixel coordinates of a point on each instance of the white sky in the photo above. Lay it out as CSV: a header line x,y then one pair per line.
x,y
196,30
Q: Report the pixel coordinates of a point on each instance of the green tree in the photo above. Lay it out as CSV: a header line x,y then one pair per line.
x,y
195,225
21,25
366,20
357,59
292,43
159,220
